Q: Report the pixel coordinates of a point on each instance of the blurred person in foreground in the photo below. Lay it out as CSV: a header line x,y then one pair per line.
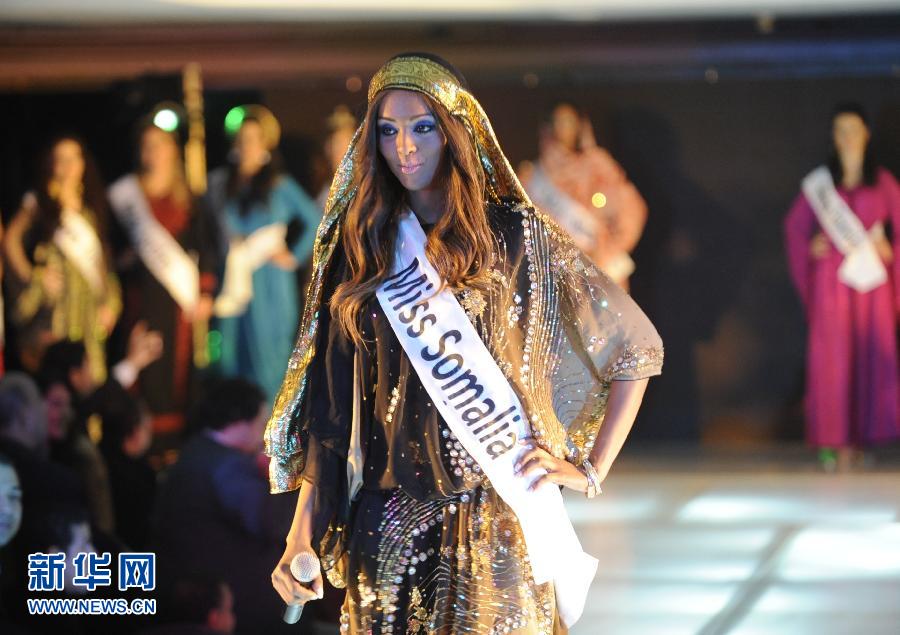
x,y
72,399
214,516
127,435
196,606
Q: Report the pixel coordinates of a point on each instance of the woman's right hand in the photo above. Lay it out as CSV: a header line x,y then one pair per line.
x,y
53,281
819,246
291,591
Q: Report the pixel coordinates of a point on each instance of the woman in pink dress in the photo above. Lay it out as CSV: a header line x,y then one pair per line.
x,y
852,363
587,192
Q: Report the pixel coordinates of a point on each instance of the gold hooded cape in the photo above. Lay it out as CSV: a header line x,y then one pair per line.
x,y
560,338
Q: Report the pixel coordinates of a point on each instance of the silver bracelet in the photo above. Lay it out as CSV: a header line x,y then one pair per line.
x,y
593,488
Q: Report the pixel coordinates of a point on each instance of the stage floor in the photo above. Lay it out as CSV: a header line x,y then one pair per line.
x,y
756,542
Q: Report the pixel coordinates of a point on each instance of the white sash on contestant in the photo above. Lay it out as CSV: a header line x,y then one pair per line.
x,y
575,219
862,268
77,239
244,257
483,411
175,270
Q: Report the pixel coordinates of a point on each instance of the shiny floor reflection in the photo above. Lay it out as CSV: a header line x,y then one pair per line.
x,y
743,544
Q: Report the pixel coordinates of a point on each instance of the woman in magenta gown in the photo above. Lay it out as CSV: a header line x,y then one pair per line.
x,y
852,383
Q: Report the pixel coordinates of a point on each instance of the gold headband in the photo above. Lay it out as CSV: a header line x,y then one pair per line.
x,y
419,74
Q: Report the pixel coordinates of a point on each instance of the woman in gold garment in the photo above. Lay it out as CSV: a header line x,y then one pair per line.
x,y
390,501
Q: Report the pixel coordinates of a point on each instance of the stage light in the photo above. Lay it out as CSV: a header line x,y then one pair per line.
x,y
234,119
354,83
166,119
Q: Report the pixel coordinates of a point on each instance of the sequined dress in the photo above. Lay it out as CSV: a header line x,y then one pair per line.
x,y
427,546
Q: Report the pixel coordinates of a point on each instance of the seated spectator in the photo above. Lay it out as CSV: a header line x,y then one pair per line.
x,y
69,387
127,435
60,528
23,438
10,520
65,377
10,501
215,516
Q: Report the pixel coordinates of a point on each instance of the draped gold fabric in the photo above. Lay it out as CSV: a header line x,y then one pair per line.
x,y
558,328
568,330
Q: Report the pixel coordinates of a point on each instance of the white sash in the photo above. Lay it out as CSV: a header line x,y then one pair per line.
x,y
79,243
862,268
483,411
175,270
244,257
575,219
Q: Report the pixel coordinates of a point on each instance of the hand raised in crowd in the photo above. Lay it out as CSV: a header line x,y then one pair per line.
x,y
558,471
144,346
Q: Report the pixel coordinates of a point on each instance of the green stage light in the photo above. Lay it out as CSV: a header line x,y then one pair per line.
x,y
234,119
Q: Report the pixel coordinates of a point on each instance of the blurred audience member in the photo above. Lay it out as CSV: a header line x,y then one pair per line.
x,y
65,377
61,528
215,516
127,435
10,521
10,501
58,271
23,438
196,606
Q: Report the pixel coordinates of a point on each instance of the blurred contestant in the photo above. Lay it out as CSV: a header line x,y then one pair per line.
x,y
56,249
846,272
168,266
268,224
583,188
341,128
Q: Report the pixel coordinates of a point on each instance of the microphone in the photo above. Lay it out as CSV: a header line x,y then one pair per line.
x,y
305,569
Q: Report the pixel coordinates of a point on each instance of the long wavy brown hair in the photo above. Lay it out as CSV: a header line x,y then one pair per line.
x,y
93,196
460,245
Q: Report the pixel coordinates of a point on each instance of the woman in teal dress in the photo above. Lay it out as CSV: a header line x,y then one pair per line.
x,y
267,225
